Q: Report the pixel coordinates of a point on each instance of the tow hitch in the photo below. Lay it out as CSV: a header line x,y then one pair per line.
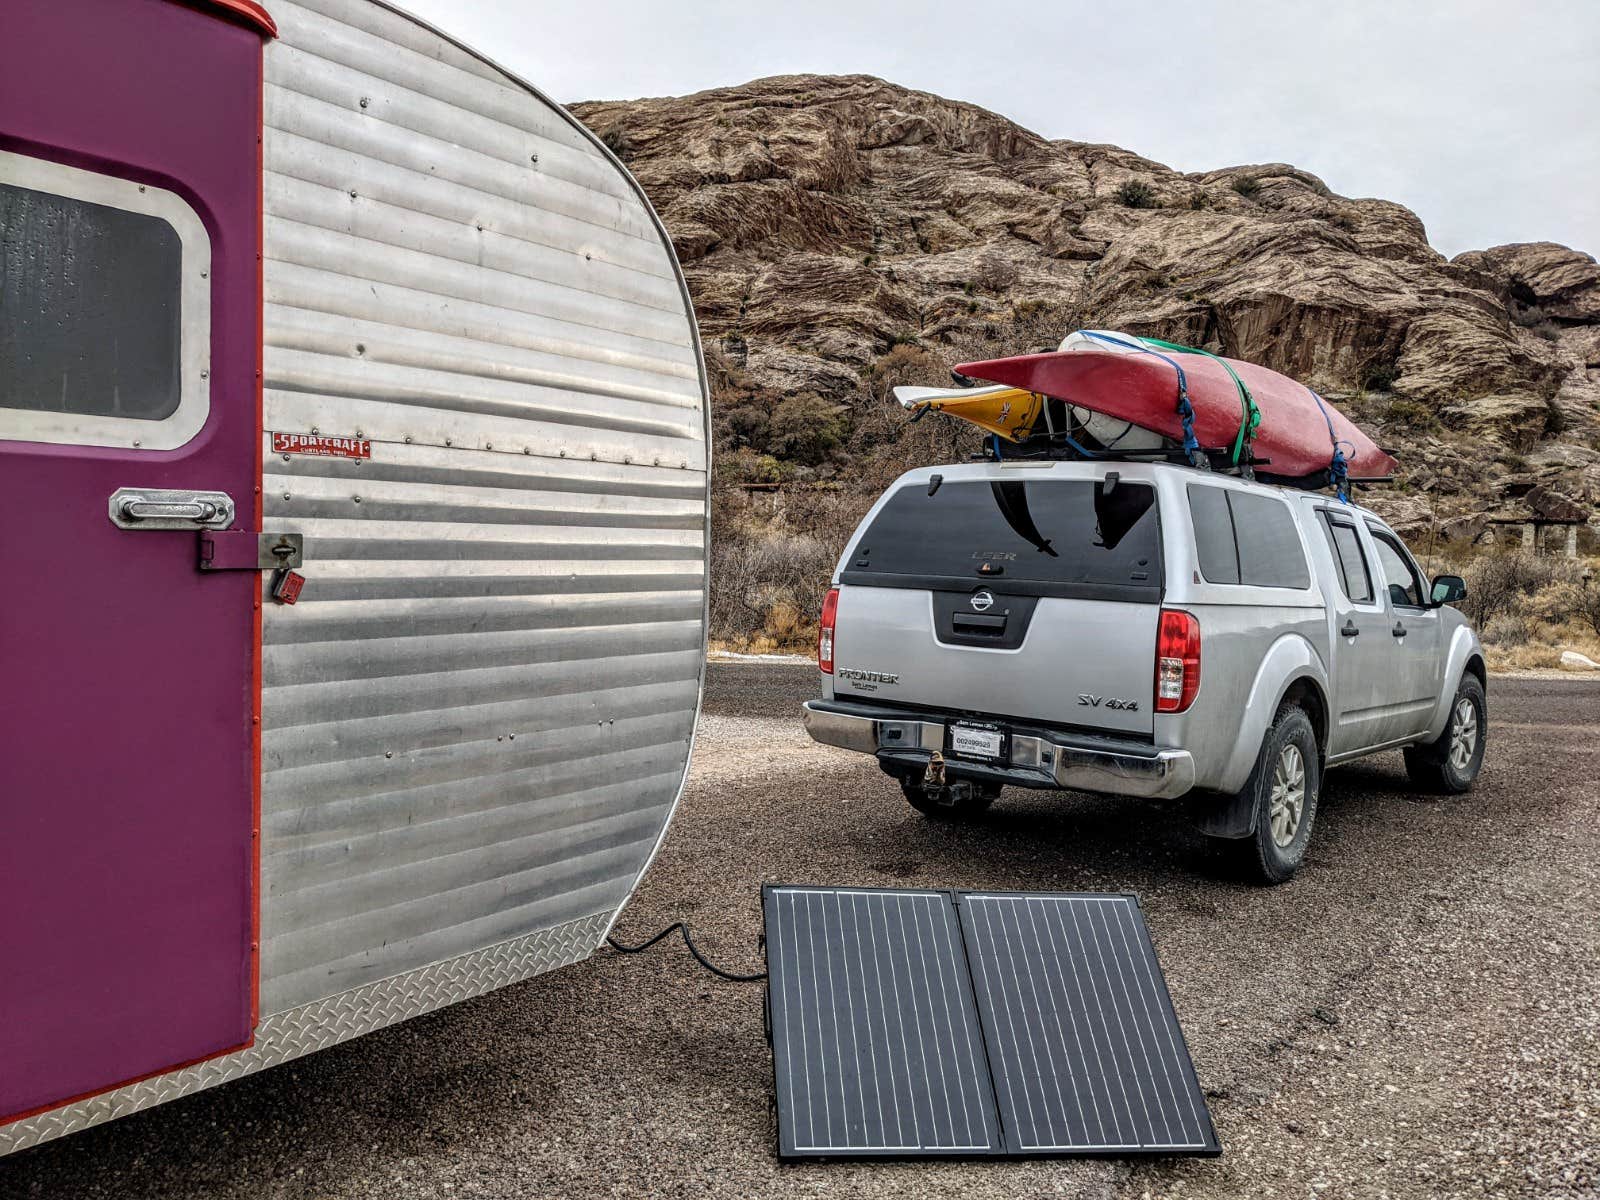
x,y
945,793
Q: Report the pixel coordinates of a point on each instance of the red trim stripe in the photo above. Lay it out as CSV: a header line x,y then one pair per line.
x,y
246,12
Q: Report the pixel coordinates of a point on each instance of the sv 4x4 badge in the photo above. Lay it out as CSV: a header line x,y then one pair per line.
x,y
1108,702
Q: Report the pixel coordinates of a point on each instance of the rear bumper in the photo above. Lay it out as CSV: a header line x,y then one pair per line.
x,y
1038,758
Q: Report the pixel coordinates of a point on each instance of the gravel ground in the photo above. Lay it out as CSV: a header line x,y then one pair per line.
x,y
1418,1014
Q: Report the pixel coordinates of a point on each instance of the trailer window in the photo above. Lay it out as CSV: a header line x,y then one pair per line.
x,y
1043,537
104,310
1241,537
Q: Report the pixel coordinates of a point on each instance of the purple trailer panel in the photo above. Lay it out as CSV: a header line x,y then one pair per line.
x,y
127,752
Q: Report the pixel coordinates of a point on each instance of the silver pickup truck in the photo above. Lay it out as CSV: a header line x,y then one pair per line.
x,y
1144,630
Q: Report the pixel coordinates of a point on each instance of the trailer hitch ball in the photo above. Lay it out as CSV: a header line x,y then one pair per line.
x,y
934,778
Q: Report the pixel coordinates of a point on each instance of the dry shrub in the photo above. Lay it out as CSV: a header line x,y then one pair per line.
x,y
1528,609
1572,600
1508,630
770,567
761,583
1505,583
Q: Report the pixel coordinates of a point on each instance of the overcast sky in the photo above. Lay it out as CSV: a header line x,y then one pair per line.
x,y
1482,117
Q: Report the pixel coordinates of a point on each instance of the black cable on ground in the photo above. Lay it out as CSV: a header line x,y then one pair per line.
x,y
680,927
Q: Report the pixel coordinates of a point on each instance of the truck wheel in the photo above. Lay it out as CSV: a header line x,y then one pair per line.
x,y
1452,762
956,801
1283,789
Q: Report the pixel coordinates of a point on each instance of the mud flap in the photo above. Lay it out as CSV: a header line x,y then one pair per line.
x,y
1225,816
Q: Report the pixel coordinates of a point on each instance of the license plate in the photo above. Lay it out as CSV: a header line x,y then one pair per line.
x,y
978,741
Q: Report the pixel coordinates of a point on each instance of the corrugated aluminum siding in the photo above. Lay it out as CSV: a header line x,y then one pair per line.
x,y
476,721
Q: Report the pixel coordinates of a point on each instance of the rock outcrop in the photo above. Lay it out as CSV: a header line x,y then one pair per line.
x,y
822,221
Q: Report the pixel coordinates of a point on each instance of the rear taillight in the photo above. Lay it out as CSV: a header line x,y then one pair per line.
x,y
830,609
1177,660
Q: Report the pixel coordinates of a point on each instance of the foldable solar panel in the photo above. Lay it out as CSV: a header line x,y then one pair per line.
x,y
934,1023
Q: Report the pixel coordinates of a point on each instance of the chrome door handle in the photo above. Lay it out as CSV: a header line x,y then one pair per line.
x,y
161,508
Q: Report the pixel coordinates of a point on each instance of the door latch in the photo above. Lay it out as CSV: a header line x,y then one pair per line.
x,y
246,550
163,508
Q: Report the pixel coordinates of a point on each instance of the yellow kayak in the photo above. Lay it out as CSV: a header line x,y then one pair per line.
x,y
1008,411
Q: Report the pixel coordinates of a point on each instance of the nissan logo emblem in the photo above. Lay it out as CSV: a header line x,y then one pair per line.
x,y
982,601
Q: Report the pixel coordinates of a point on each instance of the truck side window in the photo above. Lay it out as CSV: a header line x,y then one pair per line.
x,y
1349,557
1270,553
1244,538
1405,588
1213,534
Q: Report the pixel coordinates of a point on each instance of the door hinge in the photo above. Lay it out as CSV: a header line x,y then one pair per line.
x,y
246,550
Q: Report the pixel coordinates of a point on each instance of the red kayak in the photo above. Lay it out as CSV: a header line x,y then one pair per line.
x,y
1130,381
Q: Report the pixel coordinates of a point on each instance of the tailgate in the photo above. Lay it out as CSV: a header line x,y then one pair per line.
x,y
1032,599
1088,663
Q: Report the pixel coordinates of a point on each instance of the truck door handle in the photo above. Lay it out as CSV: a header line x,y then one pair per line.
x,y
1349,629
1399,629
162,508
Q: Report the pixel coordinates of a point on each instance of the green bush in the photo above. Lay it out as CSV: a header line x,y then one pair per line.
x,y
806,429
1137,194
1247,186
618,142
1379,376
1413,414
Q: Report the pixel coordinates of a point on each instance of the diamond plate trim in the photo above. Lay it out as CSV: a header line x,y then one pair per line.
x,y
322,1023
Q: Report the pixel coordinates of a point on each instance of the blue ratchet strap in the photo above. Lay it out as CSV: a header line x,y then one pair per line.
x,y
1191,444
1339,468
1083,450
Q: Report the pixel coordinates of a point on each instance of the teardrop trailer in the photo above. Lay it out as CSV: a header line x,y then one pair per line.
x,y
357,626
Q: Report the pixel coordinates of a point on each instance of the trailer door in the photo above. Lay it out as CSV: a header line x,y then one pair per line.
x,y
129,394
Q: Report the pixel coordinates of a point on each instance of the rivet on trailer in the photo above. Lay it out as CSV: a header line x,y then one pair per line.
x,y
234,829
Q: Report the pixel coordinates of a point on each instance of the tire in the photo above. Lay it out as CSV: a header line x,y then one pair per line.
x,y
1451,763
1288,765
944,805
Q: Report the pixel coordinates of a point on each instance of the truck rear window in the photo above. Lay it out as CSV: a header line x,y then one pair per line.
x,y
1038,537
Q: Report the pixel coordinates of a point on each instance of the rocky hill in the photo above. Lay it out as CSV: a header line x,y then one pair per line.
x,y
842,232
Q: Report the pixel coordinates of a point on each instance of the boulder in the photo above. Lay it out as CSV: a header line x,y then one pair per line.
x,y
1561,283
1555,507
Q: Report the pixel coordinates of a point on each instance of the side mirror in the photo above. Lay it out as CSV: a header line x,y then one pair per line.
x,y
1449,589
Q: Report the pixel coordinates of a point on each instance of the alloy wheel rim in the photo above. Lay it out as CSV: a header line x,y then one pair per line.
x,y
1288,795
1463,734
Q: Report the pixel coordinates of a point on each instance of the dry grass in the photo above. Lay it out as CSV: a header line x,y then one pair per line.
x,y
1535,655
